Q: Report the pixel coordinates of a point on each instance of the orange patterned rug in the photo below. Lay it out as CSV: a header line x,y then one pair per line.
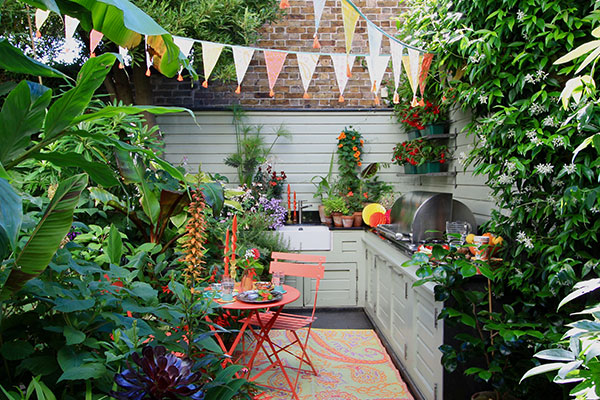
x,y
352,365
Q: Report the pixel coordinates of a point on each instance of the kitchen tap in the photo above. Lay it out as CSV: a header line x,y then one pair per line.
x,y
300,208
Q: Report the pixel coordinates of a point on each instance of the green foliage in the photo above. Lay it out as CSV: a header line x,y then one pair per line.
x,y
335,204
349,151
325,185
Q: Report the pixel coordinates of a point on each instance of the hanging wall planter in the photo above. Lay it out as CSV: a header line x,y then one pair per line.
x,y
434,129
432,167
413,134
410,169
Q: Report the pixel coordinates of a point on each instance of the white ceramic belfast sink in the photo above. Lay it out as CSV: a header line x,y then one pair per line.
x,y
306,237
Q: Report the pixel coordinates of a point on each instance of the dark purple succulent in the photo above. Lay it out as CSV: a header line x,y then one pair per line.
x,y
162,376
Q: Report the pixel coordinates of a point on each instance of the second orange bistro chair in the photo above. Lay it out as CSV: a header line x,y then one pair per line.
x,y
303,266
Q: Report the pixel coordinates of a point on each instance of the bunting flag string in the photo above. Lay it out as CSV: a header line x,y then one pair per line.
x,y
95,38
40,17
210,55
318,6
241,58
274,61
425,66
307,63
185,46
377,66
340,63
396,50
349,17
375,37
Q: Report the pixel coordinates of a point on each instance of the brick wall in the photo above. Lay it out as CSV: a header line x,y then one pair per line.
x,y
294,32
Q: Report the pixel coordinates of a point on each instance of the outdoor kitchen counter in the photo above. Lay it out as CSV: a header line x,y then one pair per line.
x,y
406,316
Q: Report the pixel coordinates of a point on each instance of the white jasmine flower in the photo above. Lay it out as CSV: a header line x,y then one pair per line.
x,y
521,236
520,16
544,169
531,134
505,179
558,142
511,133
525,240
509,165
594,210
530,79
482,140
483,99
535,109
536,141
550,121
570,169
462,158
525,36
528,243
541,75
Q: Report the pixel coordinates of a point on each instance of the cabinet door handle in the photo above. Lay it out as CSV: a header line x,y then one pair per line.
x,y
405,352
435,391
406,290
435,318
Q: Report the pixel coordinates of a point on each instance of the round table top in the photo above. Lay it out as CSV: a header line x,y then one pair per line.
x,y
292,295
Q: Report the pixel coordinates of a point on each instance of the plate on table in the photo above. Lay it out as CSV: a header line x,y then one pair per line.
x,y
253,297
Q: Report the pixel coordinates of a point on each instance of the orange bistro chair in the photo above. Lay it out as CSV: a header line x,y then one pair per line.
x,y
304,266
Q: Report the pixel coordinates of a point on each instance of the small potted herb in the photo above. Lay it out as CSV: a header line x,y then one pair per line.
x,y
336,207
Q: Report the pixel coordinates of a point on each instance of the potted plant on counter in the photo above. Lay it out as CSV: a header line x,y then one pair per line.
x,y
325,188
348,218
336,207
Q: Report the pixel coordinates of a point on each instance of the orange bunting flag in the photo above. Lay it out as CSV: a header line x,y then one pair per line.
x,y
307,63
95,38
425,66
40,17
341,65
241,58
274,61
316,44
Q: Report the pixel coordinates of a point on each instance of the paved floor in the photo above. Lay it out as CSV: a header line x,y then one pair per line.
x,y
337,318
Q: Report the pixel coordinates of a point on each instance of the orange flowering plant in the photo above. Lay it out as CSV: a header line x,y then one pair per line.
x,y
350,146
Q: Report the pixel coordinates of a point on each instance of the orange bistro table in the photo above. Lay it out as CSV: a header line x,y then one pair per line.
x,y
265,322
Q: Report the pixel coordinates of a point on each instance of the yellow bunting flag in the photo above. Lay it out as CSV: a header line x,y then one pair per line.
x,y
307,64
95,38
40,17
340,64
350,17
397,50
411,66
274,61
241,58
210,56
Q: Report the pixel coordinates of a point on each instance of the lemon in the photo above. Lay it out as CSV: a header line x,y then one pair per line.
x,y
470,238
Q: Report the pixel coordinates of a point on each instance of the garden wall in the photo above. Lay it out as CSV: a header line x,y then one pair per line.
x,y
308,151
294,32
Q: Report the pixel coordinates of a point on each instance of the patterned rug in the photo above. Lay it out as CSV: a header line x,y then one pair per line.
x,y
352,365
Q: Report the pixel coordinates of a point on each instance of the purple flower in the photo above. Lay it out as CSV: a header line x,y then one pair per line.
x,y
273,209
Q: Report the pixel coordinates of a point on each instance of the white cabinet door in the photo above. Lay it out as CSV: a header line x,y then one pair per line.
x,y
426,368
371,275
402,315
384,293
337,288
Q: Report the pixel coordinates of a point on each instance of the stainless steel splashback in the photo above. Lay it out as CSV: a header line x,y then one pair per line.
x,y
419,212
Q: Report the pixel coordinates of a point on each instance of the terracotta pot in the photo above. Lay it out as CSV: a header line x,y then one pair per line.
x,y
347,221
322,214
328,220
337,219
357,218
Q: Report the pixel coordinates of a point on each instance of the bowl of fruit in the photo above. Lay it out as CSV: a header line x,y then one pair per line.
x,y
259,296
263,285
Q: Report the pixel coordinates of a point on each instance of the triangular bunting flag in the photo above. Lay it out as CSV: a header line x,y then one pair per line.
x,y
427,59
375,37
210,56
307,64
148,58
185,46
40,17
123,53
241,58
349,16
396,50
340,64
411,65
95,38
284,4
376,66
70,26
318,6
274,61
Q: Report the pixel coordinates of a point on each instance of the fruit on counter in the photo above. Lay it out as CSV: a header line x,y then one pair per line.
x,y
377,219
470,238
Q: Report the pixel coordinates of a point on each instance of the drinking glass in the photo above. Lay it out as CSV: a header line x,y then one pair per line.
x,y
227,289
457,227
278,279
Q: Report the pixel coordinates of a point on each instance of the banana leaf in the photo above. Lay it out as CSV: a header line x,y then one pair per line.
x,y
100,173
47,236
11,216
12,59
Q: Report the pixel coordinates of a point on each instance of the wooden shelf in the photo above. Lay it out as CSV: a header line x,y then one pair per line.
x,y
434,137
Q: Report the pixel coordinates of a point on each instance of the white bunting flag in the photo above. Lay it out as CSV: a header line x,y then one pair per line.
x,y
123,52
40,17
340,63
241,58
375,37
396,49
307,64
210,56
377,66
70,26
185,46
318,6
148,57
